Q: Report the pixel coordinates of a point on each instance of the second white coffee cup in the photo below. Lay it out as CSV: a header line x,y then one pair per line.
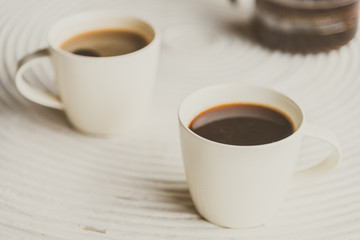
x,y
100,95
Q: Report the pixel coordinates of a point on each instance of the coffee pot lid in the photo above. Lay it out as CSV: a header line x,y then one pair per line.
x,y
313,4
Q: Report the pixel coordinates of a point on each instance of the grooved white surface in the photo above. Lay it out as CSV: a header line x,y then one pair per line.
x,y
58,184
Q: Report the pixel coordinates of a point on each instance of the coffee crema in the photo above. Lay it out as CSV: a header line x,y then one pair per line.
x,y
105,43
242,124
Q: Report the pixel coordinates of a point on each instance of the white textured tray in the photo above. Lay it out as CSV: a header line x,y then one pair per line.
x,y
58,184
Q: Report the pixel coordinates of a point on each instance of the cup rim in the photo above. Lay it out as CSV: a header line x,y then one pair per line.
x,y
95,13
234,85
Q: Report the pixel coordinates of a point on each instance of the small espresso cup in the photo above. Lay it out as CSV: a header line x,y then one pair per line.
x,y
100,95
242,186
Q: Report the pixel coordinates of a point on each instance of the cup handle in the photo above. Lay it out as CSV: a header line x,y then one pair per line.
x,y
325,167
34,94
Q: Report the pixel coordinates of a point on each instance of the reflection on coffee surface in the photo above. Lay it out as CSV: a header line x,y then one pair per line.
x,y
242,124
105,43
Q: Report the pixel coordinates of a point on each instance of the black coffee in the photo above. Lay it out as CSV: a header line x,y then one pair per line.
x,y
242,124
105,43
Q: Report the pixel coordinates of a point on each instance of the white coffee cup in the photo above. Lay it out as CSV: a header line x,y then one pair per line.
x,y
100,95
242,186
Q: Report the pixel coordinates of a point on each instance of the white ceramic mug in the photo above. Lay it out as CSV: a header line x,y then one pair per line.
x,y
100,95
242,186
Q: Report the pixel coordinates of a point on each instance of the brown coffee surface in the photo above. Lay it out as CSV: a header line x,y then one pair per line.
x,y
242,124
105,43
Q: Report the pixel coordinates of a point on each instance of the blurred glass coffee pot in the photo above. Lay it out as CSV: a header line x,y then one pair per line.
x,y
305,26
